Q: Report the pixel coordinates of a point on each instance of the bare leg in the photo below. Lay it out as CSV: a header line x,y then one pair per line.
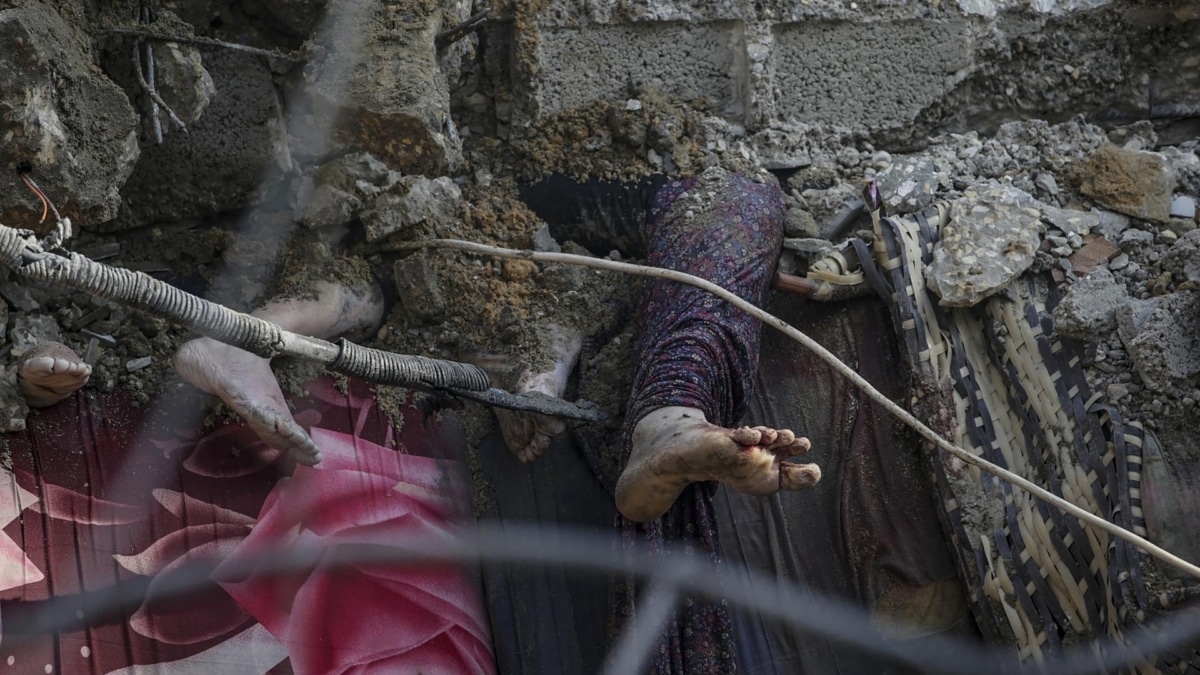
x,y
245,381
49,373
528,435
675,446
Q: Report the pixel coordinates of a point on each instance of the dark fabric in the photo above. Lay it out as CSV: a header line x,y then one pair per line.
x,y
545,619
868,533
599,215
698,351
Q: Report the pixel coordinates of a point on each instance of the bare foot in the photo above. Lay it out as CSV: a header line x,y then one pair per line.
x,y
49,373
245,381
528,435
676,446
246,384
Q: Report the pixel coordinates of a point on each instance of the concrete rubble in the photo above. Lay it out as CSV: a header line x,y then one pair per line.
x,y
991,239
63,122
1062,133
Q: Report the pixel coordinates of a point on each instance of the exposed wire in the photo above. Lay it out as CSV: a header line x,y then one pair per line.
x,y
202,41
824,354
47,205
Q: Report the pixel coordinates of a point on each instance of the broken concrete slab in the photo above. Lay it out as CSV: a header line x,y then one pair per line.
x,y
413,201
1162,337
990,240
1089,310
1135,183
376,86
63,121
1070,220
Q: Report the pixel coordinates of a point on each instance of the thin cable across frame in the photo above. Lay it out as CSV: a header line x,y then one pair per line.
x,y
773,599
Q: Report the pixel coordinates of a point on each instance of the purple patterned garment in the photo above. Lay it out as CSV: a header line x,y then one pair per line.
x,y
698,351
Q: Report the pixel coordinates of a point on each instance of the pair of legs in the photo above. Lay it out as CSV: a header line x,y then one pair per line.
x,y
696,357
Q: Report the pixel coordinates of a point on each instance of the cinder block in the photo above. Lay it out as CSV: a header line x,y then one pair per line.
x,y
578,65
868,76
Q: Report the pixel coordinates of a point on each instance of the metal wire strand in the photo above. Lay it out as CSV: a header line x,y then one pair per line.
x,y
835,620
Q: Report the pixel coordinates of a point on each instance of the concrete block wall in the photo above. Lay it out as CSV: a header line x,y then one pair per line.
x,y
882,68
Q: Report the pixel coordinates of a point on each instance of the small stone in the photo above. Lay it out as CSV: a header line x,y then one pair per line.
x,y
30,330
633,104
544,242
1046,183
1135,183
1119,263
1088,311
1136,238
1110,224
910,184
134,365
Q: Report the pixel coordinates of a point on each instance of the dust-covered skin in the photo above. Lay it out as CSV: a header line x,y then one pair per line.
x,y
49,373
245,382
675,446
528,435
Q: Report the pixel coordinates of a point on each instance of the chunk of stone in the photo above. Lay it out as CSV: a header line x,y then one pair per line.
x,y
1183,258
418,288
332,194
62,120
911,184
1186,167
1070,220
1089,310
799,223
182,81
990,240
1132,182
326,206
412,201
1111,224
134,365
30,330
544,241
376,86
1162,337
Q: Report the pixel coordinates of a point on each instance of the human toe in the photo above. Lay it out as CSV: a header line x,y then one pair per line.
x,y
798,476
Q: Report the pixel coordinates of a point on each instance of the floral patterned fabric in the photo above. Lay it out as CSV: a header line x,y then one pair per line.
x,y
698,351
96,492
